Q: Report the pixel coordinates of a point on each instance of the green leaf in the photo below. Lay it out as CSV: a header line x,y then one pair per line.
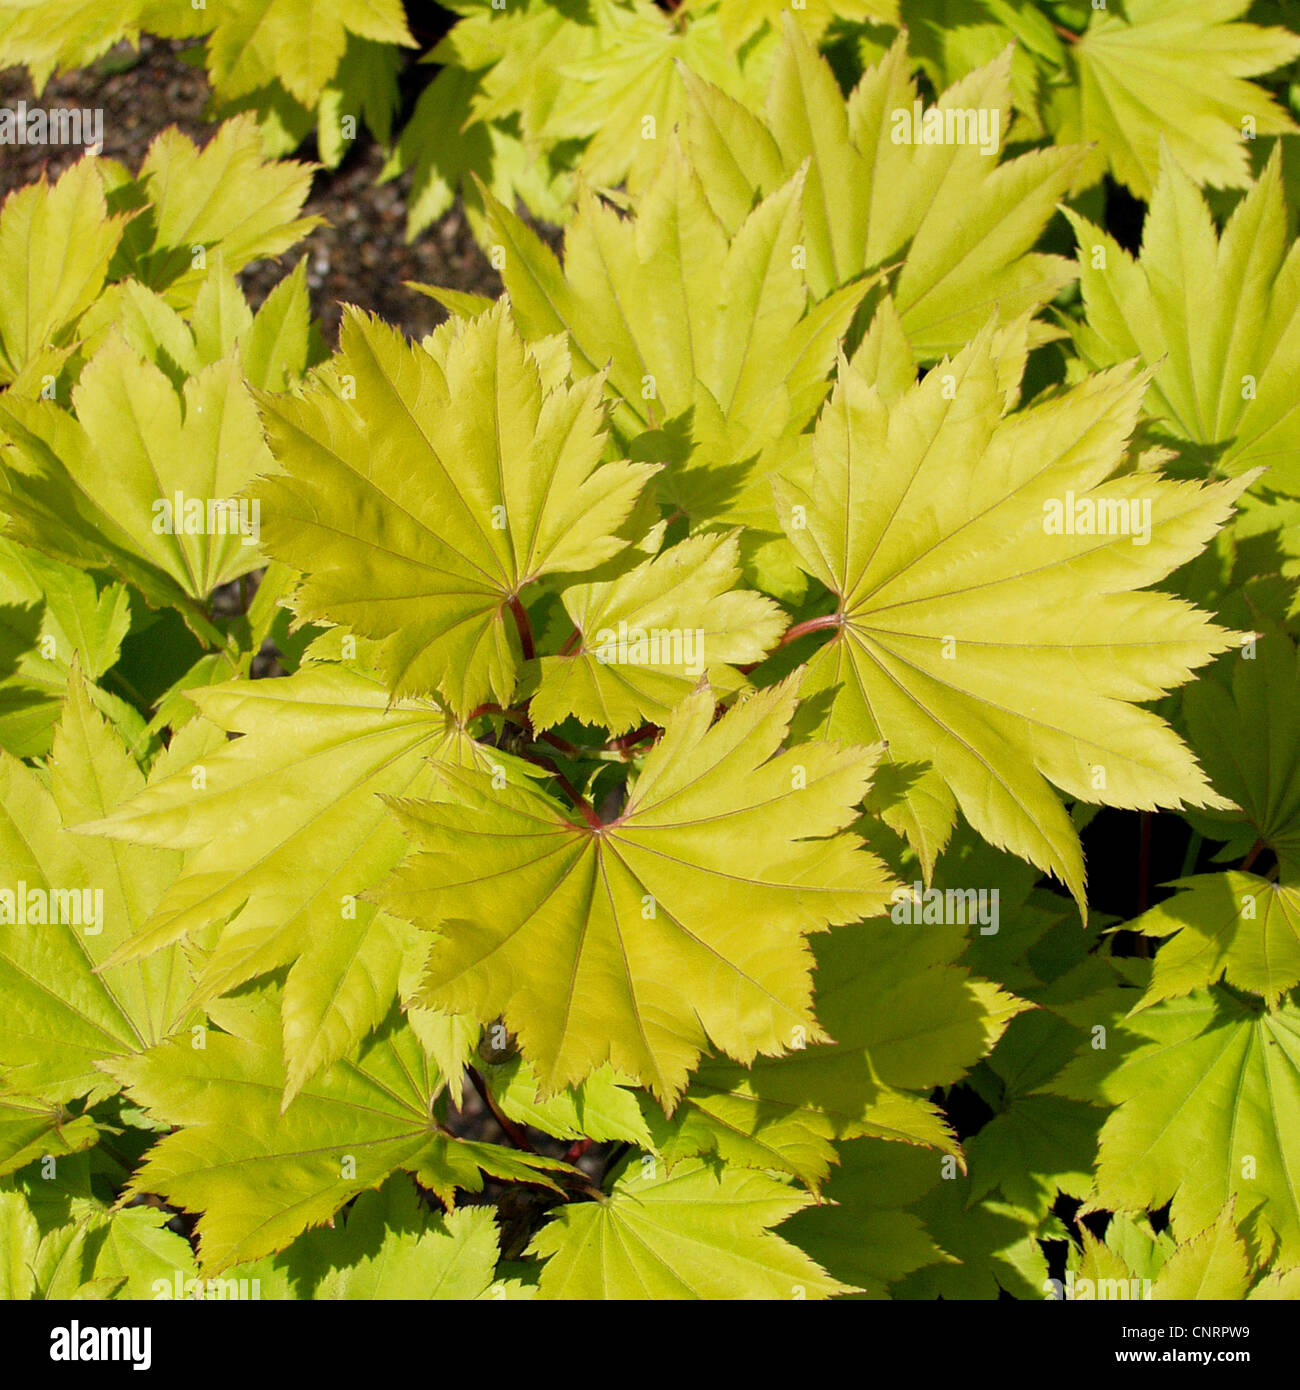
x,y
991,652
682,609
287,831
50,613
902,1024
390,1246
861,1231
690,1233
962,223
579,934
1165,70
260,1175
1205,1107
223,197
601,1108
1214,318
716,361
299,43
142,476
1231,926
420,511
66,1008
55,247
1249,741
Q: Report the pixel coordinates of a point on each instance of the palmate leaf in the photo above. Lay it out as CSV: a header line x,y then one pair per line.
x,y
1164,70
608,74
288,830
388,1245
91,485
51,613
991,654
192,202
260,1175
298,43
1214,318
962,223
584,936
1249,741
683,608
1232,926
692,1233
1206,1105
66,1008
902,1023
56,243
861,1231
741,19
715,359
420,511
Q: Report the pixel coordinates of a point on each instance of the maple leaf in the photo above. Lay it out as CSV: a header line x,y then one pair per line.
x,y
962,638
1214,318
682,606
287,831
298,43
49,614
862,1231
66,1007
389,1246
419,512
1205,1099
1164,70
260,1175
656,897
1231,926
275,345
1248,738
901,1026
741,19
56,244
601,1108
90,485
692,1233
715,359
70,34
192,202
962,223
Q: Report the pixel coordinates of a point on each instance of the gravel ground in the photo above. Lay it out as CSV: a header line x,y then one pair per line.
x,y
360,256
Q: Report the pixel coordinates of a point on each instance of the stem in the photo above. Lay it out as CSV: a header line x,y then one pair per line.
x,y
576,1150
793,634
1065,33
575,638
570,750
508,1127
624,745
1192,855
1252,854
580,802
525,630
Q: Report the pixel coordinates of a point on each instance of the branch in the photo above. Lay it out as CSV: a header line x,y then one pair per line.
x,y
525,630
508,1127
